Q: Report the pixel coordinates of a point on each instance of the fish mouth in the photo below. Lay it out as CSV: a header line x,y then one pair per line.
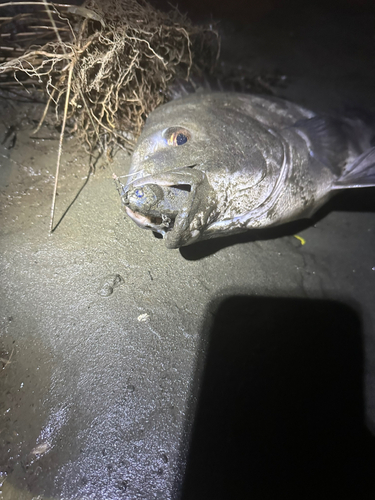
x,y
168,204
156,206
157,223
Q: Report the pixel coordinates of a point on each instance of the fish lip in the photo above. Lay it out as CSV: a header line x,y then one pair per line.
x,y
153,178
138,218
145,222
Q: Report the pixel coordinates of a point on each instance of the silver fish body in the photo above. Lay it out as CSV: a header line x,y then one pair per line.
x,y
212,164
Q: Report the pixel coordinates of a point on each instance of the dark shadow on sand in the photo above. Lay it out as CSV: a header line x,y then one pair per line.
x,y
93,163
280,412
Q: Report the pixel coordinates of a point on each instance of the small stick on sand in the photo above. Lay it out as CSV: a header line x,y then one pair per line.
x,y
64,118
7,361
60,146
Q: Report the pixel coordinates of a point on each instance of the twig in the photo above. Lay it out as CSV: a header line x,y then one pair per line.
x,y
9,4
49,13
15,84
131,143
12,49
7,361
92,121
54,28
60,145
44,112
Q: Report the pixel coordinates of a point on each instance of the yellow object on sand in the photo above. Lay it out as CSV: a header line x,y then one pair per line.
x,y
302,240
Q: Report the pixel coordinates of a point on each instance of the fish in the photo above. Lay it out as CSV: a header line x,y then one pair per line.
x,y
213,164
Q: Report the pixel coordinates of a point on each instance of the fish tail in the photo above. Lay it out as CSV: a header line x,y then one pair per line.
x,y
360,173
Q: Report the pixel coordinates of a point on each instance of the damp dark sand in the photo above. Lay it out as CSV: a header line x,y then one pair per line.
x,y
106,331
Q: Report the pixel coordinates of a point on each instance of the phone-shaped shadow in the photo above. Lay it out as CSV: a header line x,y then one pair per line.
x,y
280,411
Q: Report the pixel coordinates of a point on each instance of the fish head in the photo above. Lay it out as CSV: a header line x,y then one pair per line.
x,y
193,161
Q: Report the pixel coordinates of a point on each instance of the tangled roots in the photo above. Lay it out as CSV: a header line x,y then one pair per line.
x,y
117,56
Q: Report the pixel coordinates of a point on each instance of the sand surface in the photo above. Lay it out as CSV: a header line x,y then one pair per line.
x,y
107,332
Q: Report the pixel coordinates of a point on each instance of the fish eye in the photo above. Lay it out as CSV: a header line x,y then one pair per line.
x,y
176,136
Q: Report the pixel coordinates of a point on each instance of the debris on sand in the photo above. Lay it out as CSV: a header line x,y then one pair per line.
x,y
109,62
115,59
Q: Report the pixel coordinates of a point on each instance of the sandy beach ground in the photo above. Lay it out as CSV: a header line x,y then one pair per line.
x,y
119,356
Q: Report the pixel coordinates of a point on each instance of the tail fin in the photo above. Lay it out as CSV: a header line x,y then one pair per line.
x,y
361,173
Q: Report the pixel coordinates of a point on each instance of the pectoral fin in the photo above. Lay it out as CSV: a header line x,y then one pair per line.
x,y
361,173
326,139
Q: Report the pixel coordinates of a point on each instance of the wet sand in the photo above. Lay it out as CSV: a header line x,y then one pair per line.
x,y
111,338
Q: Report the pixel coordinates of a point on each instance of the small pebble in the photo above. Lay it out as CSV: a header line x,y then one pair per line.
x,y
143,317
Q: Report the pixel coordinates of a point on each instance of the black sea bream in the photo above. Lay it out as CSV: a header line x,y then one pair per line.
x,y
213,164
